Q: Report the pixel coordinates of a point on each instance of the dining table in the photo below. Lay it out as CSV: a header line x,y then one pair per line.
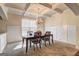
x,y
32,38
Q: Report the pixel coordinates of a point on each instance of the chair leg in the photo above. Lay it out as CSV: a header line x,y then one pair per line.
x,y
22,43
49,42
30,43
45,43
34,47
40,44
52,40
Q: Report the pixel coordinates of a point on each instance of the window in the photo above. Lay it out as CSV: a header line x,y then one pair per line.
x,y
28,25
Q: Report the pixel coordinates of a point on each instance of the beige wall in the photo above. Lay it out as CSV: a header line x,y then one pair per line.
x,y
66,18
14,20
14,28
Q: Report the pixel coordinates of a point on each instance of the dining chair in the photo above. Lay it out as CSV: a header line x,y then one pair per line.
x,y
37,39
47,37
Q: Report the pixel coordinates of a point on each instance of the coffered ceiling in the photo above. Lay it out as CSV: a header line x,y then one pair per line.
x,y
33,9
19,6
37,8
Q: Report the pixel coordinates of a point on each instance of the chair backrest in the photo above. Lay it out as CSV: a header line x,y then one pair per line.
x,y
35,34
38,33
47,33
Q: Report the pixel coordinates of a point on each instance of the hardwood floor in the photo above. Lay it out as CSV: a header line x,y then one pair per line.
x,y
56,49
77,54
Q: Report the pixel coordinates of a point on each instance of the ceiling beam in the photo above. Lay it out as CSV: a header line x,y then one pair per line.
x,y
3,14
26,7
58,10
74,7
46,5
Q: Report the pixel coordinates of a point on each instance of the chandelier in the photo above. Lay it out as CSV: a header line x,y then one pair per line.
x,y
39,19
